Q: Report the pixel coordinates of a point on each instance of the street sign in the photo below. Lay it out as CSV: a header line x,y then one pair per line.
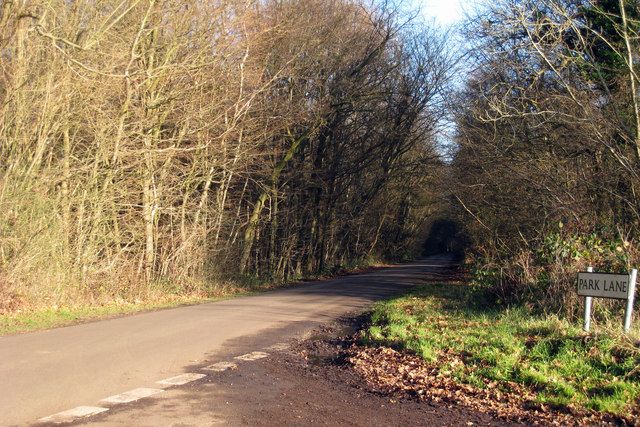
x,y
603,285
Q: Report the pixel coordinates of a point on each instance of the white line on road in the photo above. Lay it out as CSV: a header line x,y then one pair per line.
x,y
252,356
220,366
132,395
181,379
72,414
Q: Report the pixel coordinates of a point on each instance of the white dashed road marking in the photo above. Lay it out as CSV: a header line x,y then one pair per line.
x,y
140,393
281,346
132,395
220,366
73,414
181,379
252,356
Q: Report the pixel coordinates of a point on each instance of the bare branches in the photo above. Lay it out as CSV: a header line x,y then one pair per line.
x,y
154,141
548,130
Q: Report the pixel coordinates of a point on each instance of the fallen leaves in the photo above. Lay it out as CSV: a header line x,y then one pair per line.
x,y
396,373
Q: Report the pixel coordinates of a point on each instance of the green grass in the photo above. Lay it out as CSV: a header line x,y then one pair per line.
x,y
555,359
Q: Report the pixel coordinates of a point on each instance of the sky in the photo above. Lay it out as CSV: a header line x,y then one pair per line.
x,y
445,12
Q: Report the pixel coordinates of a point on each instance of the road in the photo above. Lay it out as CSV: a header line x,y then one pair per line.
x,y
47,372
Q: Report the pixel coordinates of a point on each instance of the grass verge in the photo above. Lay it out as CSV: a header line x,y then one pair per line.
x,y
159,296
486,346
53,317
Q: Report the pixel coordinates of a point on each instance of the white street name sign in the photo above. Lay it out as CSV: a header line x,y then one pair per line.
x,y
603,285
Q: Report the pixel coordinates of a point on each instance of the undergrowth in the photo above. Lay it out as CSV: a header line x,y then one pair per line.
x,y
541,275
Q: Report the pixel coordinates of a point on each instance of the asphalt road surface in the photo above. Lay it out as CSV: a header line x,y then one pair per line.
x,y
44,373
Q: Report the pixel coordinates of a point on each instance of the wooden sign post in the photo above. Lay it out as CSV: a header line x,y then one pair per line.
x,y
605,285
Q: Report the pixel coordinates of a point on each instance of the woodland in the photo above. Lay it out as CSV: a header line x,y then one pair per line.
x,y
548,158
153,147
